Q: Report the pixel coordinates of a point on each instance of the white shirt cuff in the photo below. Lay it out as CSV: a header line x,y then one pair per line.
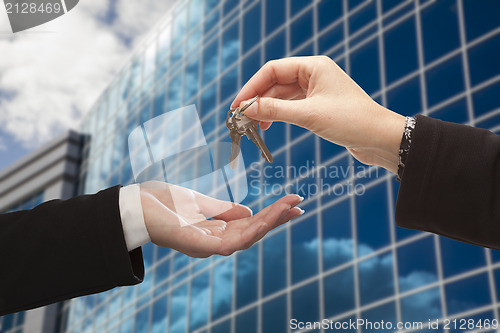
x,y
134,228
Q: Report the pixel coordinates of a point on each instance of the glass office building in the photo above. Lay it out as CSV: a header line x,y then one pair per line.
x,y
345,258
50,172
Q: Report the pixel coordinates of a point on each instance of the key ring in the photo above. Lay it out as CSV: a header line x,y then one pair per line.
x,y
246,106
237,111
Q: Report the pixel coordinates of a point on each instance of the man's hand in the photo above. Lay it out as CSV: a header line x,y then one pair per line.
x,y
177,218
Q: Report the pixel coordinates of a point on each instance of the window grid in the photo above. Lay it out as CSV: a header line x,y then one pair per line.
x,y
351,43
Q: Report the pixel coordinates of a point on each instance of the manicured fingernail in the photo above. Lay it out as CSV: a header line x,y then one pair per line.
x,y
301,198
301,211
252,109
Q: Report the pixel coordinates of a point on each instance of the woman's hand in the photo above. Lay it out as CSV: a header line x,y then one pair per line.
x,y
177,218
314,93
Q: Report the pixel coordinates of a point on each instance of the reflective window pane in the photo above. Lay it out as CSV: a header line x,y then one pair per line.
x,y
179,25
159,103
275,136
417,264
298,5
210,5
178,309
276,47
208,101
365,67
483,60
486,100
251,27
194,40
337,237
246,322
422,306
459,257
210,61
246,270
376,279
228,87
339,292
231,45
362,17
175,92
274,263
480,17
455,112
180,261
305,305
223,327
191,79
305,51
200,295
222,288
405,98
400,50
160,315
251,64
386,312
302,156
332,38
328,12
126,327
301,29
304,249
195,12
142,321
275,14
211,21
230,5
373,220
444,80
440,29
477,295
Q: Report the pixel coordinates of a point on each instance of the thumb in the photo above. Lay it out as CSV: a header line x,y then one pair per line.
x,y
273,109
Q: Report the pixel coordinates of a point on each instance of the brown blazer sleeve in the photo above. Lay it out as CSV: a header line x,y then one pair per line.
x,y
451,183
64,249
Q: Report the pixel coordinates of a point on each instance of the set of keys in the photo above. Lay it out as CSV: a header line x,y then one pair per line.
x,y
239,125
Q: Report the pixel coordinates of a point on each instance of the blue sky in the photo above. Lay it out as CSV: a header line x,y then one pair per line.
x,y
52,74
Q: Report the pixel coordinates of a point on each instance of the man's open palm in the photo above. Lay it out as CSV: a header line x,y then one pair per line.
x,y
200,226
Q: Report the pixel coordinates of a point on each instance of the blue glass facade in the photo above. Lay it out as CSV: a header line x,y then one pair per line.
x,y
345,258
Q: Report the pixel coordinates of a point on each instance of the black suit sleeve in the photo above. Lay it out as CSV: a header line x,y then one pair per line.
x,y
64,249
451,183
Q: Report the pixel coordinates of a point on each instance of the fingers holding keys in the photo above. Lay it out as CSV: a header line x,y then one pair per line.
x,y
276,72
269,109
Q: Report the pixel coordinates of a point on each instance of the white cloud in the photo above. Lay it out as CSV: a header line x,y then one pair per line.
x,y
51,75
3,146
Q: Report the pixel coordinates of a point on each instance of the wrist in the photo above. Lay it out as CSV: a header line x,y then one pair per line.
x,y
391,128
131,212
383,133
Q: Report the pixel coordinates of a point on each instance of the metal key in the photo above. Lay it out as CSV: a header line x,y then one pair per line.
x,y
235,148
238,125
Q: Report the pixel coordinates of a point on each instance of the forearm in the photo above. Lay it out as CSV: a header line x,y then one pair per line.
x,y
64,249
450,183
